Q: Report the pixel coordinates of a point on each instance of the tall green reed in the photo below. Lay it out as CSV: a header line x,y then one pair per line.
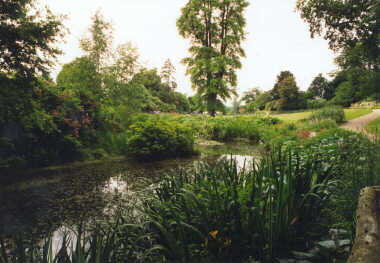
x,y
221,210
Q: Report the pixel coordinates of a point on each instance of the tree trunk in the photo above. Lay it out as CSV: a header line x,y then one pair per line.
x,y
366,248
211,104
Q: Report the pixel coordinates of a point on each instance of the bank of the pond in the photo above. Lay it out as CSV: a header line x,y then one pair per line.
x,y
217,211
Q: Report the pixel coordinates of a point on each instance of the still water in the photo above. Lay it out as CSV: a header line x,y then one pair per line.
x,y
56,202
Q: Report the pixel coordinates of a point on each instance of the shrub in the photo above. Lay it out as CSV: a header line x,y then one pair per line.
x,y
159,139
315,104
332,113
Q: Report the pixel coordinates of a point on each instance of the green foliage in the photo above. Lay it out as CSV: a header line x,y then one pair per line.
x,y
251,95
216,29
158,139
315,103
182,103
280,77
26,34
319,87
81,75
261,101
333,113
167,74
344,94
126,63
344,23
374,127
222,211
98,46
352,28
354,161
289,95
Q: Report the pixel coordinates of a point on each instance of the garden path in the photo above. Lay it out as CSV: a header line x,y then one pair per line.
x,y
358,124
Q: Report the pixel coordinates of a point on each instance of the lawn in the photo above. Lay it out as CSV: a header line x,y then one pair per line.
x,y
355,113
292,117
296,116
374,127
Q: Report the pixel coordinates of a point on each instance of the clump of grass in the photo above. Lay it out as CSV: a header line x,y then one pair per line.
x,y
222,211
334,113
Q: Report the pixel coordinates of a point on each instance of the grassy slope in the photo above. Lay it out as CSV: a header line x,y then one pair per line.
x,y
374,126
293,117
355,113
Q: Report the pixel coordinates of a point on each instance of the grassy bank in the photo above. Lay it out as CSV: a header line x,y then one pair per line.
x,y
221,213
351,114
374,127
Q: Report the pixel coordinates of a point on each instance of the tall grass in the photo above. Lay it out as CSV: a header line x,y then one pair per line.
x,y
222,211
334,113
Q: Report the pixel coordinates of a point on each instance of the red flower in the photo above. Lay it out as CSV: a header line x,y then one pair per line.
x,y
67,121
76,132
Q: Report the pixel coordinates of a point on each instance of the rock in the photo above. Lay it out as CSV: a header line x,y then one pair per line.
x,y
286,261
328,244
302,255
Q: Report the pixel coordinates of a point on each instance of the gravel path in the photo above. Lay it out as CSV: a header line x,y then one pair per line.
x,y
358,124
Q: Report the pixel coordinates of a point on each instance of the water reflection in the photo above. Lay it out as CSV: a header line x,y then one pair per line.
x,y
242,161
94,193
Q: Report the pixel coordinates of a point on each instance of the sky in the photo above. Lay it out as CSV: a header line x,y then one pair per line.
x,y
277,38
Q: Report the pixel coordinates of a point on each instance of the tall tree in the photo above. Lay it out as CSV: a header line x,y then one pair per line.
x,y
28,37
167,74
280,77
98,45
216,31
289,94
126,62
345,24
319,87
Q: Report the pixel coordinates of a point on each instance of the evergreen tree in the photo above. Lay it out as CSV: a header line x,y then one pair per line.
x,y
167,74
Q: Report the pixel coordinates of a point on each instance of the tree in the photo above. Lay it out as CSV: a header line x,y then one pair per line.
x,y
27,41
216,30
98,46
80,75
282,76
289,94
261,101
167,74
126,62
319,87
182,103
345,24
345,94
250,95
236,104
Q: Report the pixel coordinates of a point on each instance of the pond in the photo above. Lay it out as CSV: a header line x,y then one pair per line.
x,y
62,197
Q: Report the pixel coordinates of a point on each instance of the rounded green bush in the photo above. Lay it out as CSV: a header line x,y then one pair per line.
x,y
159,139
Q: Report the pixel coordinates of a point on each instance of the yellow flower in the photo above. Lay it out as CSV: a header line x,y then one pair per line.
x,y
214,233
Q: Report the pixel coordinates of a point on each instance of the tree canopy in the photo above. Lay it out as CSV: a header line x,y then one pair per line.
x,y
319,87
216,31
345,24
27,41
